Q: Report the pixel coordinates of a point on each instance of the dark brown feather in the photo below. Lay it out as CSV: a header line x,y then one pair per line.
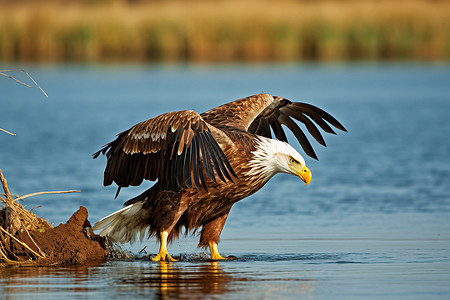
x,y
238,114
168,148
277,129
309,125
195,163
299,135
221,159
257,114
206,157
314,112
187,167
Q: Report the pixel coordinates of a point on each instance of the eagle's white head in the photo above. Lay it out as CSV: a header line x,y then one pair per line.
x,y
274,156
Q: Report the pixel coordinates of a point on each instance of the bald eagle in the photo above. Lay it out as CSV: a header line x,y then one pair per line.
x,y
203,164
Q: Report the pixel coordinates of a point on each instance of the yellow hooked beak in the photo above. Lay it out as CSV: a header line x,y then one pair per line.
x,y
305,175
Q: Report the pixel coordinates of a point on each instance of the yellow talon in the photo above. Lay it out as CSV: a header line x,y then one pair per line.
x,y
214,252
163,253
163,256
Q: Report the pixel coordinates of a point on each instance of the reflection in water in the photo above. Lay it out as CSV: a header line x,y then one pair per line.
x,y
127,278
170,280
23,281
143,279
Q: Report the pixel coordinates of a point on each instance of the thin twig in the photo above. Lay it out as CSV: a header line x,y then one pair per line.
x,y
2,72
5,257
20,242
16,80
9,200
1,194
31,210
42,193
5,250
29,235
7,131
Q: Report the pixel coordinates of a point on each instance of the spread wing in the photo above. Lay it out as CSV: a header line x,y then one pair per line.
x,y
174,148
259,114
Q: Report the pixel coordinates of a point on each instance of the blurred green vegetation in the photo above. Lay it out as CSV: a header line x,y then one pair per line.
x,y
196,30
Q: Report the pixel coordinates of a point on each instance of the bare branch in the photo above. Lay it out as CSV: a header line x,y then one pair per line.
x,y
3,72
1,194
5,188
22,243
16,80
31,210
29,235
4,257
42,193
7,131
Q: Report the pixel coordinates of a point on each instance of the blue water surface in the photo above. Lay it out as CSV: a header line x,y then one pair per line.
x,y
374,222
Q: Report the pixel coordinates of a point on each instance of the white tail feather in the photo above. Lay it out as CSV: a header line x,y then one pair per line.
x,y
124,224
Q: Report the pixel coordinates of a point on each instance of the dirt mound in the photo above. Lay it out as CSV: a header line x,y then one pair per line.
x,y
71,243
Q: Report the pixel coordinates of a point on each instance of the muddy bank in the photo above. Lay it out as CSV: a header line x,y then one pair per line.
x,y
71,243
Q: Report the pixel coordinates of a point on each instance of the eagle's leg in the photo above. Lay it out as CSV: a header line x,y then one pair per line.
x,y
214,252
163,253
167,229
211,233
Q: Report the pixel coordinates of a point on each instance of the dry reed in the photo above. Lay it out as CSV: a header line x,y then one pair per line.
x,y
18,219
226,30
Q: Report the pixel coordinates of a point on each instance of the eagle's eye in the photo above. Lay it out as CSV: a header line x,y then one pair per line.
x,y
292,160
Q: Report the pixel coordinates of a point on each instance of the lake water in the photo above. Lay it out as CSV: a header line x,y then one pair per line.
x,y
373,223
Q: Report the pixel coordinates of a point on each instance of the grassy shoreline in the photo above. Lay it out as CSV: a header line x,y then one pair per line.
x,y
226,31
